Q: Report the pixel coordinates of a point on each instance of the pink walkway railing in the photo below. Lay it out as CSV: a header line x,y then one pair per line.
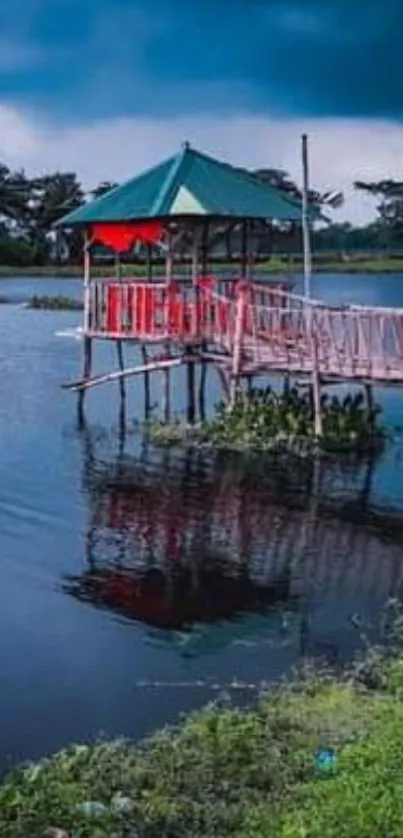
x,y
266,327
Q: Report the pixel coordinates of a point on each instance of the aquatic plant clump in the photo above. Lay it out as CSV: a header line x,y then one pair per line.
x,y
266,420
59,303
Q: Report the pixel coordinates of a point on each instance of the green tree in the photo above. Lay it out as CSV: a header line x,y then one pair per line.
x,y
388,230
281,180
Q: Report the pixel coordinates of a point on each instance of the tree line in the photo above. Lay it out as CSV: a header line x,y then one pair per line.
x,y
30,206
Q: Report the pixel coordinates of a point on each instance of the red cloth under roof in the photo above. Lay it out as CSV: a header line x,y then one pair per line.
x,y
121,236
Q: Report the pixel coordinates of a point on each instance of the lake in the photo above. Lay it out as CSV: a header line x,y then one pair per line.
x,y
137,584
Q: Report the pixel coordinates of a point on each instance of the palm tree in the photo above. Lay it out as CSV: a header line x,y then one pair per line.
x,y
14,194
102,188
53,196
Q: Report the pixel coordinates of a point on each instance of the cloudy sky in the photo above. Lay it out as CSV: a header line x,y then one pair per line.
x,y
109,87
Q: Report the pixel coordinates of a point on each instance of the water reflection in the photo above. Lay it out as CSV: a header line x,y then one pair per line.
x,y
209,550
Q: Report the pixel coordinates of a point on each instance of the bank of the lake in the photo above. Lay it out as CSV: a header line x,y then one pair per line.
x,y
320,758
329,265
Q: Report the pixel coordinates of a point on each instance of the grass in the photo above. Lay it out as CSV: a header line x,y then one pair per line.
x,y
323,264
242,773
58,303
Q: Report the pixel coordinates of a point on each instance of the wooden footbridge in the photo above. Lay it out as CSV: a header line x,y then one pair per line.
x,y
176,215
249,328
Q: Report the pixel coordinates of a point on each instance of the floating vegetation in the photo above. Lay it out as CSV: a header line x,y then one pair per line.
x,y
319,757
59,303
266,420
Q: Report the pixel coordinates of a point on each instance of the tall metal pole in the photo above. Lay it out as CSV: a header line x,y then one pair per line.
x,y
306,232
306,238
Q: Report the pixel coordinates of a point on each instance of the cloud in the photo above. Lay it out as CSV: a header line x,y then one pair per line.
x,y
341,151
136,57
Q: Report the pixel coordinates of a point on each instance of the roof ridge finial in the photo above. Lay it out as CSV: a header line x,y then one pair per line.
x,y
186,145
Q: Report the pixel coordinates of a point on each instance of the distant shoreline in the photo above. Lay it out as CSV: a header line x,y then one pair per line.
x,y
374,265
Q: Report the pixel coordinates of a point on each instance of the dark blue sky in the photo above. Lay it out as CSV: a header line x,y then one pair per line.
x,y
100,58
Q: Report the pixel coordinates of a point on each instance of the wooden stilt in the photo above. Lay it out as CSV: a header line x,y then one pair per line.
x,y
166,394
202,391
224,382
237,347
87,345
191,393
147,392
87,364
370,404
122,428
317,412
121,364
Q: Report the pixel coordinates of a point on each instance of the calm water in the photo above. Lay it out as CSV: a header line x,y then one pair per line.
x,y
136,584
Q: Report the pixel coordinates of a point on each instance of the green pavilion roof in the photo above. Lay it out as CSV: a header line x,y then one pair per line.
x,y
189,184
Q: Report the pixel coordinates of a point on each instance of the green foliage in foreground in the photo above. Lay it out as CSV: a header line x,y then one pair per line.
x,y
59,303
267,421
227,772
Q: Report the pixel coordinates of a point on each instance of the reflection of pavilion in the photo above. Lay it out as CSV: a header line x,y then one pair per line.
x,y
196,541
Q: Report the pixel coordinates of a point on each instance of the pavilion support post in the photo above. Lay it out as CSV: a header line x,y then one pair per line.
x,y
166,374
87,342
149,263
244,249
312,337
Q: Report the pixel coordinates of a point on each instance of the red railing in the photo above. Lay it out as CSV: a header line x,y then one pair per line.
x,y
263,326
179,310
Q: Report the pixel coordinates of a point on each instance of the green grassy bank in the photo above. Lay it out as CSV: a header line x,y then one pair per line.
x,y
227,772
374,264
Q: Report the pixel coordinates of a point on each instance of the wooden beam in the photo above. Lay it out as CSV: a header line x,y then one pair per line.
x,y
115,376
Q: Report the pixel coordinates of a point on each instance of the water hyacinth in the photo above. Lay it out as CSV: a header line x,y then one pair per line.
x,y
282,423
